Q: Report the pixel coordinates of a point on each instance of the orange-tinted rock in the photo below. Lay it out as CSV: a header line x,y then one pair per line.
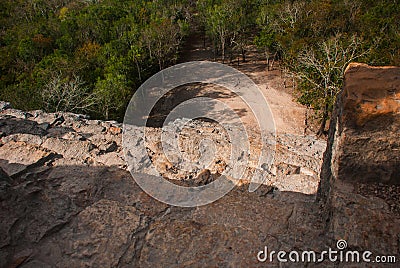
x,y
370,94
115,130
369,125
67,199
360,175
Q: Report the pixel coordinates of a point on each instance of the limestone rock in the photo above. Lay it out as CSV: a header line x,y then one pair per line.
x,y
15,157
4,105
68,200
69,149
71,202
369,125
361,153
100,235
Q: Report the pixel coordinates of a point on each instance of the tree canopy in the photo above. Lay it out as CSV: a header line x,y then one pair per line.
x,y
85,55
90,56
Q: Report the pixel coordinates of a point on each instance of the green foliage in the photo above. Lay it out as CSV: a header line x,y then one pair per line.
x,y
162,38
112,94
316,40
92,55
228,23
26,49
85,56
267,40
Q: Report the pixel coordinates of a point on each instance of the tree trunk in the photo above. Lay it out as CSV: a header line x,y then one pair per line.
x,y
106,113
306,121
223,52
215,49
204,39
267,56
160,64
321,130
138,69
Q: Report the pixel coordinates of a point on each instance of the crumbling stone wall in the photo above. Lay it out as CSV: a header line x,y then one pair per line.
x,y
360,175
364,140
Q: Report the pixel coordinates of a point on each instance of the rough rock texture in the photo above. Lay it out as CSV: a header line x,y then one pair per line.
x,y
296,167
360,173
369,125
67,199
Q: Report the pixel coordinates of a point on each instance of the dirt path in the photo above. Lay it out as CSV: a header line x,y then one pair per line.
x,y
289,115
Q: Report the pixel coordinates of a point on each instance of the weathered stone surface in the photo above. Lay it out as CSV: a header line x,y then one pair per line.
x,y
361,154
22,137
4,105
16,113
298,183
100,235
68,148
369,125
17,156
293,155
80,207
12,125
